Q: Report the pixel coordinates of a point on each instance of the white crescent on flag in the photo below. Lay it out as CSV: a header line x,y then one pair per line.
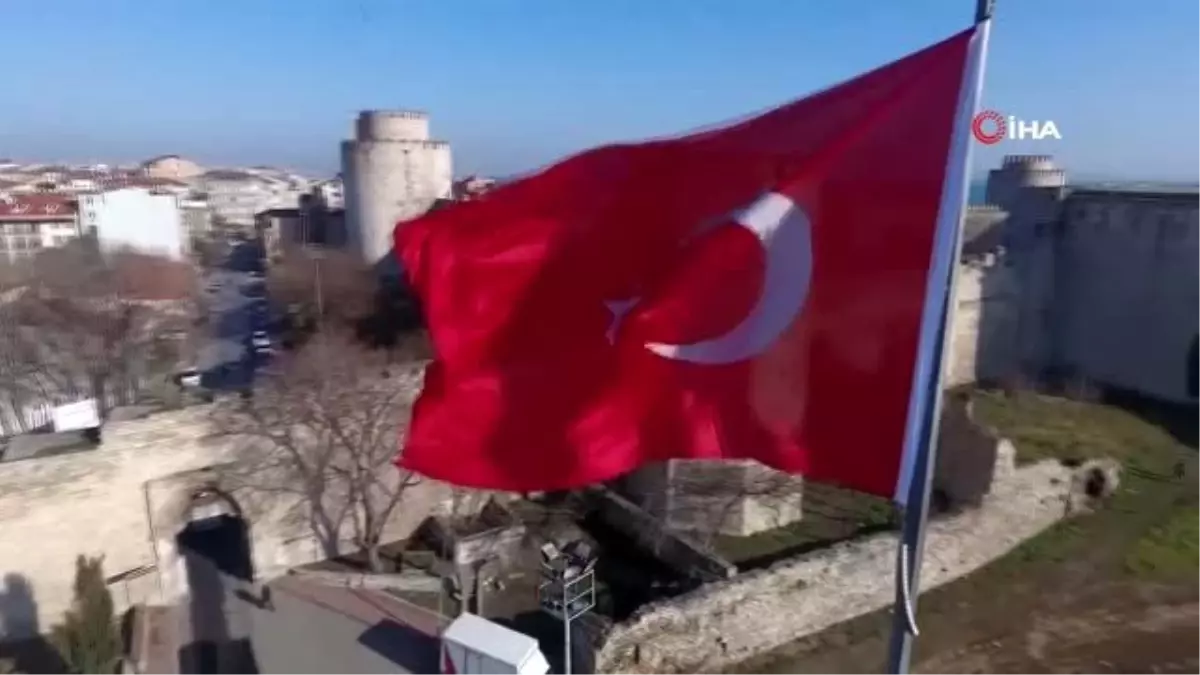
x,y
784,230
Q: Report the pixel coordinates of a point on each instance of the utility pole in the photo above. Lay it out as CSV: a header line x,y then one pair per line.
x,y
568,588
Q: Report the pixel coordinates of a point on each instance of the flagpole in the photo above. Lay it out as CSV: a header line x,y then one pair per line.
x,y
925,407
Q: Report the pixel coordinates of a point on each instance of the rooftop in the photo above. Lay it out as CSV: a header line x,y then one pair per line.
x,y
47,443
43,444
1142,190
26,207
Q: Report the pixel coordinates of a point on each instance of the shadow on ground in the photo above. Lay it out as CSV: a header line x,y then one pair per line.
x,y
407,647
549,633
1181,420
33,655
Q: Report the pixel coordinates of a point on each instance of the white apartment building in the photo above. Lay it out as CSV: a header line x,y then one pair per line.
x,y
137,218
235,196
196,217
330,193
32,222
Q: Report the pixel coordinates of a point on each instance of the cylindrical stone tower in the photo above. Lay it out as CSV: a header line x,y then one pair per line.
x,y
391,172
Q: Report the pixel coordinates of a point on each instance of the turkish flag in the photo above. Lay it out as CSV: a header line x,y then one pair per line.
x,y
753,291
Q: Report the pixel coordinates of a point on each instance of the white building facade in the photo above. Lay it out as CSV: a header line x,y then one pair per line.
x,y
30,223
330,193
392,171
235,196
136,218
196,217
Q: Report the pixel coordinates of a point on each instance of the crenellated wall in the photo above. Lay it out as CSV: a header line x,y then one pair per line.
x,y
1125,297
1095,284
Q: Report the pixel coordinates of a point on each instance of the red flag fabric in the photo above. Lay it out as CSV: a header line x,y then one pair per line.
x,y
753,291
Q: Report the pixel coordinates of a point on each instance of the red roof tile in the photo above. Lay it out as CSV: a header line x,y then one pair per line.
x,y
38,207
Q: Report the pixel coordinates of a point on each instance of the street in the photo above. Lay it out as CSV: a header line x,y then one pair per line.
x,y
237,308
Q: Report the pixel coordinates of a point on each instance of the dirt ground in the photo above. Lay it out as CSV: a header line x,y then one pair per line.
x,y
1113,591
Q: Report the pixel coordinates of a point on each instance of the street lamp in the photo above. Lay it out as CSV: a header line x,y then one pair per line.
x,y
568,587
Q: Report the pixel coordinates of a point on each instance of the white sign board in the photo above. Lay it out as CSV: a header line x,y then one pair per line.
x,y
77,415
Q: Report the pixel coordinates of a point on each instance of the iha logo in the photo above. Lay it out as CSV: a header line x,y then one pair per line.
x,y
990,127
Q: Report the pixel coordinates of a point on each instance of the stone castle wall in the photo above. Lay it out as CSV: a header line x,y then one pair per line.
x,y
983,337
127,500
1099,285
735,498
727,622
392,171
1125,304
94,503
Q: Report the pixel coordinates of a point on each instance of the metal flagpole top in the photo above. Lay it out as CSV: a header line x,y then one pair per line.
x,y
983,10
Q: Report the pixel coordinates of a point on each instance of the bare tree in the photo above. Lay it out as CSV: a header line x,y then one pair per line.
x,y
329,285
326,287
89,324
324,426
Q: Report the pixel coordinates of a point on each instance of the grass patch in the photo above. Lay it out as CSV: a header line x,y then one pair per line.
x,y
1151,492
1171,550
1136,549
1050,427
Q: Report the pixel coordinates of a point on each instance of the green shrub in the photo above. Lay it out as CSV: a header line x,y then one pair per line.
x,y
88,639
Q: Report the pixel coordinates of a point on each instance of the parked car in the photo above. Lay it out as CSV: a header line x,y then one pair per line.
x,y
188,377
260,341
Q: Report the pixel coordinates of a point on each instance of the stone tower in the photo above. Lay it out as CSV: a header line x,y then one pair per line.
x,y
392,172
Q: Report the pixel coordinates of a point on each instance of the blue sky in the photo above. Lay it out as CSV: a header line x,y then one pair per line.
x,y
516,83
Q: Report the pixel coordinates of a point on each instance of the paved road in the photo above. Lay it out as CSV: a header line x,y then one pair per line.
x,y
238,307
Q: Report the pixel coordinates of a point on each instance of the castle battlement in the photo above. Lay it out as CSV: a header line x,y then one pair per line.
x,y
985,209
402,114
1034,161
392,171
